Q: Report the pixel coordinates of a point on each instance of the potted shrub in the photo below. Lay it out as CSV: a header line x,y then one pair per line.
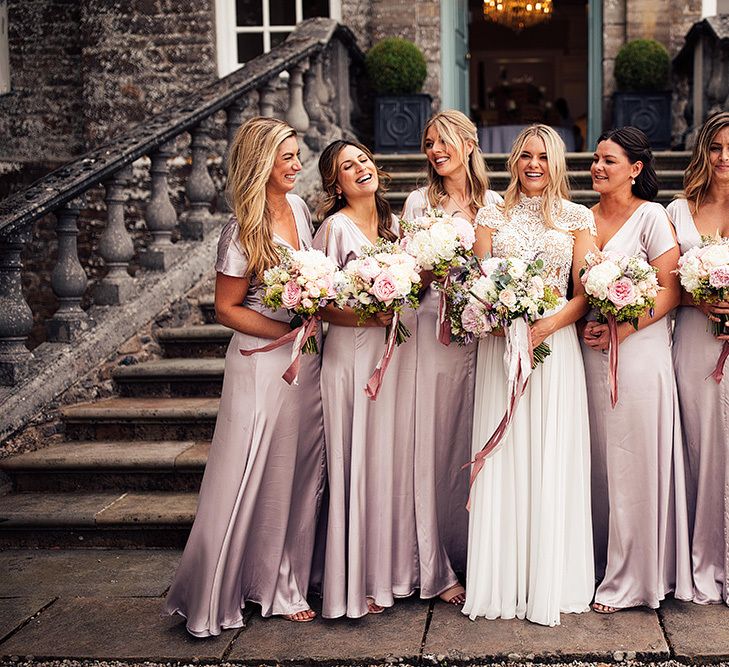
x,y
396,70
642,70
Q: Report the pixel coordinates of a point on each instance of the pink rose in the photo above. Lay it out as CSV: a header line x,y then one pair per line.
x,y
326,284
719,277
384,288
621,292
291,294
473,320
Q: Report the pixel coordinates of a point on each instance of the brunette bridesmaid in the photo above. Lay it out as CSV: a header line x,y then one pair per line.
x,y
702,211
640,518
458,185
253,535
371,546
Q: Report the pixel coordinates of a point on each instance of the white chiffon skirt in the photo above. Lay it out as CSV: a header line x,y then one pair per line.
x,y
530,535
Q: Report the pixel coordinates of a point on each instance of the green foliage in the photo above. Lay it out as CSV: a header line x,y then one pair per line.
x,y
396,66
642,65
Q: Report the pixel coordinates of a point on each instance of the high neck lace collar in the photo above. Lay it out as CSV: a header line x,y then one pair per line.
x,y
531,203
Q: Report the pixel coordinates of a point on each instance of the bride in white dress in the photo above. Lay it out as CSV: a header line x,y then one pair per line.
x,y
530,536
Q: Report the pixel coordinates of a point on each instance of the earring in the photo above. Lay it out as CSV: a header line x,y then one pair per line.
x,y
339,196
632,181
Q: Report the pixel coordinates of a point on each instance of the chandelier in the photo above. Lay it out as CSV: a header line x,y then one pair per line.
x,y
517,14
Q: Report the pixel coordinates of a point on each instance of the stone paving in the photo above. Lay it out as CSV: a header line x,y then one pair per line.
x,y
106,605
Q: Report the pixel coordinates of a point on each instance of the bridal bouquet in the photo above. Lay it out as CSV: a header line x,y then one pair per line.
x,y
302,283
704,273
439,242
621,288
383,279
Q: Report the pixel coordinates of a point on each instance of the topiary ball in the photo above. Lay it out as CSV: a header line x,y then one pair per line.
x,y
642,65
396,66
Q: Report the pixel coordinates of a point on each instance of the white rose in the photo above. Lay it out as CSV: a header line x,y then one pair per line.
x,y
508,298
517,267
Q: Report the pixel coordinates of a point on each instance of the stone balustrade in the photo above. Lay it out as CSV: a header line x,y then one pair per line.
x,y
317,56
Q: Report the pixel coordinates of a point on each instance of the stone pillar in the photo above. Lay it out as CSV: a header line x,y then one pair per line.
x,y
200,187
16,317
296,115
339,72
234,119
321,87
318,127
68,279
116,246
265,103
160,216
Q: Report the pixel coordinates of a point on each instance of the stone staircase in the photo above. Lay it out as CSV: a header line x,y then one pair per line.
x,y
129,467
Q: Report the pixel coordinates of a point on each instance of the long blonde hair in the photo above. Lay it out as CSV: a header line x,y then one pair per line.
x,y
455,129
697,177
250,162
557,189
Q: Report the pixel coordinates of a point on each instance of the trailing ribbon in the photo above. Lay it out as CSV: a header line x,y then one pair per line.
x,y
375,382
443,330
612,324
518,359
718,373
299,335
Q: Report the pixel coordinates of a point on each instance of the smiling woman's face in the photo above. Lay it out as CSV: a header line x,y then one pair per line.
x,y
532,167
356,173
285,168
611,169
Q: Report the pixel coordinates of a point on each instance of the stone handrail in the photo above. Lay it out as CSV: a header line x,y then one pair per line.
x,y
317,52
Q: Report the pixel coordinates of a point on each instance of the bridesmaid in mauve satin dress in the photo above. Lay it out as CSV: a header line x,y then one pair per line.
x,y
458,185
639,511
702,211
371,544
253,535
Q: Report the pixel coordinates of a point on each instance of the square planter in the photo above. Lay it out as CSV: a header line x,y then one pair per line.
x,y
399,122
650,112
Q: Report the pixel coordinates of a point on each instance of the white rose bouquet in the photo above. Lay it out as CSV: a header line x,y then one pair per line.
x,y
704,273
621,288
302,283
383,279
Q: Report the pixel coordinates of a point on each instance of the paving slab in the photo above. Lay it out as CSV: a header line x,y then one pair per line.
x,y
86,572
396,633
16,611
696,631
193,458
150,508
453,636
53,509
112,629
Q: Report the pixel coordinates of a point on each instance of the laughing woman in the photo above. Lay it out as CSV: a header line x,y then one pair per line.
x,y
253,535
458,185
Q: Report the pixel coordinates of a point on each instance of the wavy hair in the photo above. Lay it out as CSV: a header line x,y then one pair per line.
x,y
697,177
250,163
638,149
557,189
333,202
456,130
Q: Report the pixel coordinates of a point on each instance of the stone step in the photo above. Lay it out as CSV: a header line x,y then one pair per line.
x,y
206,304
137,465
171,377
179,418
196,341
97,519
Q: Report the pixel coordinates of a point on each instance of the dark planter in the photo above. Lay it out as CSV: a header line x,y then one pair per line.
x,y
399,122
650,112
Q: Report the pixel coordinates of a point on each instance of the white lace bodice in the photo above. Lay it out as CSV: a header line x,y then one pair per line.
x,y
525,234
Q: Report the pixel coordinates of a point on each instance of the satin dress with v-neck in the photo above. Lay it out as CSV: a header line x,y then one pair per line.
x,y
639,513
371,545
253,535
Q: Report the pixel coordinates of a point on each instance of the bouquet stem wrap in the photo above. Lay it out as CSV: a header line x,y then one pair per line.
x,y
443,332
718,373
372,389
300,336
518,359
612,325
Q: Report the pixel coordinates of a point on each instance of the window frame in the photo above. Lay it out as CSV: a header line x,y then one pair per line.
x,y
4,49
227,31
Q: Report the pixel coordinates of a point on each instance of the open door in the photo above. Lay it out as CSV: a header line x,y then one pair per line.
x,y
454,55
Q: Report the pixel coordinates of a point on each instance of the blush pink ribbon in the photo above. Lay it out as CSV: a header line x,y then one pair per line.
x,y
299,335
444,326
612,325
718,373
372,389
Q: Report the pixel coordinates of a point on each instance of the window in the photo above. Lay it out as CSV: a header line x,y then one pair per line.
x,y
248,28
4,49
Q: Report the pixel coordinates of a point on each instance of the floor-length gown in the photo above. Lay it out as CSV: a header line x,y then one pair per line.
x,y
705,421
443,429
638,489
253,535
371,545
530,539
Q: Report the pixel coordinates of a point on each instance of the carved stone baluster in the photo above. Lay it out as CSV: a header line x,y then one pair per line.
x,y
296,115
265,103
339,75
315,135
68,279
160,216
116,246
16,317
234,119
200,187
321,87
